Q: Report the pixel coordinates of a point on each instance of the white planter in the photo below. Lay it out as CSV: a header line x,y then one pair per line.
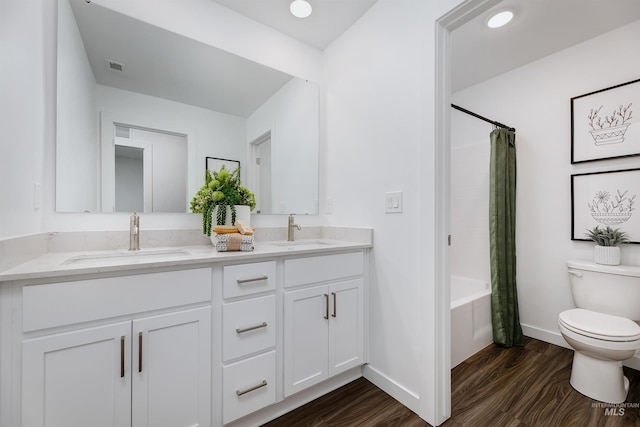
x,y
243,213
608,255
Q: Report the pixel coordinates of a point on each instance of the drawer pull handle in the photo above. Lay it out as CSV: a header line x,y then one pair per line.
x,y
122,356
253,279
140,352
326,306
335,310
250,389
251,328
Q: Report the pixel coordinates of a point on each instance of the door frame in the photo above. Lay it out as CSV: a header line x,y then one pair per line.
x,y
453,19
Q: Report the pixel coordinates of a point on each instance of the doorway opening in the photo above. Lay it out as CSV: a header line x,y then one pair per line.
x,y
260,172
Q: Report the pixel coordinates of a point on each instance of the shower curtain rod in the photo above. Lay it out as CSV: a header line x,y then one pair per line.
x,y
493,122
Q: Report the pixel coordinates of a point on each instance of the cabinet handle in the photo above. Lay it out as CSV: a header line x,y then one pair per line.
x,y
335,310
251,328
250,389
140,352
253,279
122,356
326,306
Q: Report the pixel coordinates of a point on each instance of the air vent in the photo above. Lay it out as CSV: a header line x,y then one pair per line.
x,y
115,66
123,131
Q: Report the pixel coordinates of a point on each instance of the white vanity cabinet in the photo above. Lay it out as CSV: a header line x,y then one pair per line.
x,y
149,367
229,339
323,319
249,328
76,378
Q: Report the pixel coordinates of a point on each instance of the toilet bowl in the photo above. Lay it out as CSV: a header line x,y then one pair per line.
x,y
603,329
601,342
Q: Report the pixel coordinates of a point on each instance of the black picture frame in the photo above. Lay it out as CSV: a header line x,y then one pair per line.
x,y
607,198
605,124
213,164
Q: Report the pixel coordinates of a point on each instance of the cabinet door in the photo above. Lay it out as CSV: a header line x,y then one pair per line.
x,y
346,326
306,328
171,382
78,379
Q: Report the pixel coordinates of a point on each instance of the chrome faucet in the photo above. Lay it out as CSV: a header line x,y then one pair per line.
x,y
134,232
290,228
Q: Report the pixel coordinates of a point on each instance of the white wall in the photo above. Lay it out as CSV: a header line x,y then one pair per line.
x,y
470,151
77,125
23,121
535,99
372,74
294,145
380,137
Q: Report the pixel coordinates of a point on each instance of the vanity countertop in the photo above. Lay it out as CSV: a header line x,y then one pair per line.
x,y
64,264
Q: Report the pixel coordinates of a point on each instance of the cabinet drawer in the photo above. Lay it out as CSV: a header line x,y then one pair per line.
x,y
66,303
247,279
248,326
299,271
248,385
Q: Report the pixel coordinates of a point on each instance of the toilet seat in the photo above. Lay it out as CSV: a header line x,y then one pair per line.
x,y
600,326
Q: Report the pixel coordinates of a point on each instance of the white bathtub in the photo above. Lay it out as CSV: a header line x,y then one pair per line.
x,y
470,317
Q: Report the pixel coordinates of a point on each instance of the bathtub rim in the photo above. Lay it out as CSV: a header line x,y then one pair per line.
x,y
484,289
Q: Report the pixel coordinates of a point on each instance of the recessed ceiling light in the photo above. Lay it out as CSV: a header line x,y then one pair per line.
x,y
500,19
300,8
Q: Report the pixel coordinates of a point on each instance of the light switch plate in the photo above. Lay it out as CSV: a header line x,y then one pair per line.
x,y
393,202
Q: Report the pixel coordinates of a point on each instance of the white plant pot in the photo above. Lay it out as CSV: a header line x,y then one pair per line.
x,y
243,213
608,255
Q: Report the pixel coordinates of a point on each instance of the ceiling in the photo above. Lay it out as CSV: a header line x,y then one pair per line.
x,y
329,19
540,28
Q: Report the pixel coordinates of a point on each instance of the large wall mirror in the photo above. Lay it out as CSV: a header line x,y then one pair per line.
x,y
139,109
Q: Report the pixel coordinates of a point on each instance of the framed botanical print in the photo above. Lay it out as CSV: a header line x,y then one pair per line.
x,y
215,163
605,124
605,199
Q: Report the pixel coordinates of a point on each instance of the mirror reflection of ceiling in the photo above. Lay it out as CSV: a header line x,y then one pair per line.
x,y
538,29
217,80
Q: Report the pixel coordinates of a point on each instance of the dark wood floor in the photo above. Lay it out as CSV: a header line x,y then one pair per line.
x,y
497,387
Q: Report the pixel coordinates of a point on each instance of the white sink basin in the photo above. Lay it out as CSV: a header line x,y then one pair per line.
x,y
310,242
126,256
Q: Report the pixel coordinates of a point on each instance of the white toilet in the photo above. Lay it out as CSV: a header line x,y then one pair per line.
x,y
603,329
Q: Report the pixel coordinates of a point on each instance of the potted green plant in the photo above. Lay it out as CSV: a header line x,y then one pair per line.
x,y
222,196
607,240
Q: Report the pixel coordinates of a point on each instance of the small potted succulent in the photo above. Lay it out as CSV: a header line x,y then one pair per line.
x,y
222,196
607,240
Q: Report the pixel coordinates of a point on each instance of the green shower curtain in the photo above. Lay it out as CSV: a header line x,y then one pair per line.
x,y
507,331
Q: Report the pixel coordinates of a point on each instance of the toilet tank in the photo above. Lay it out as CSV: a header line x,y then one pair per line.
x,y
610,289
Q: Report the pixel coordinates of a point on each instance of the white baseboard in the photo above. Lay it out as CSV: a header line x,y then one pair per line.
x,y
392,388
554,337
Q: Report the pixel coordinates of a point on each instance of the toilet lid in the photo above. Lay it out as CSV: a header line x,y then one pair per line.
x,y
600,325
